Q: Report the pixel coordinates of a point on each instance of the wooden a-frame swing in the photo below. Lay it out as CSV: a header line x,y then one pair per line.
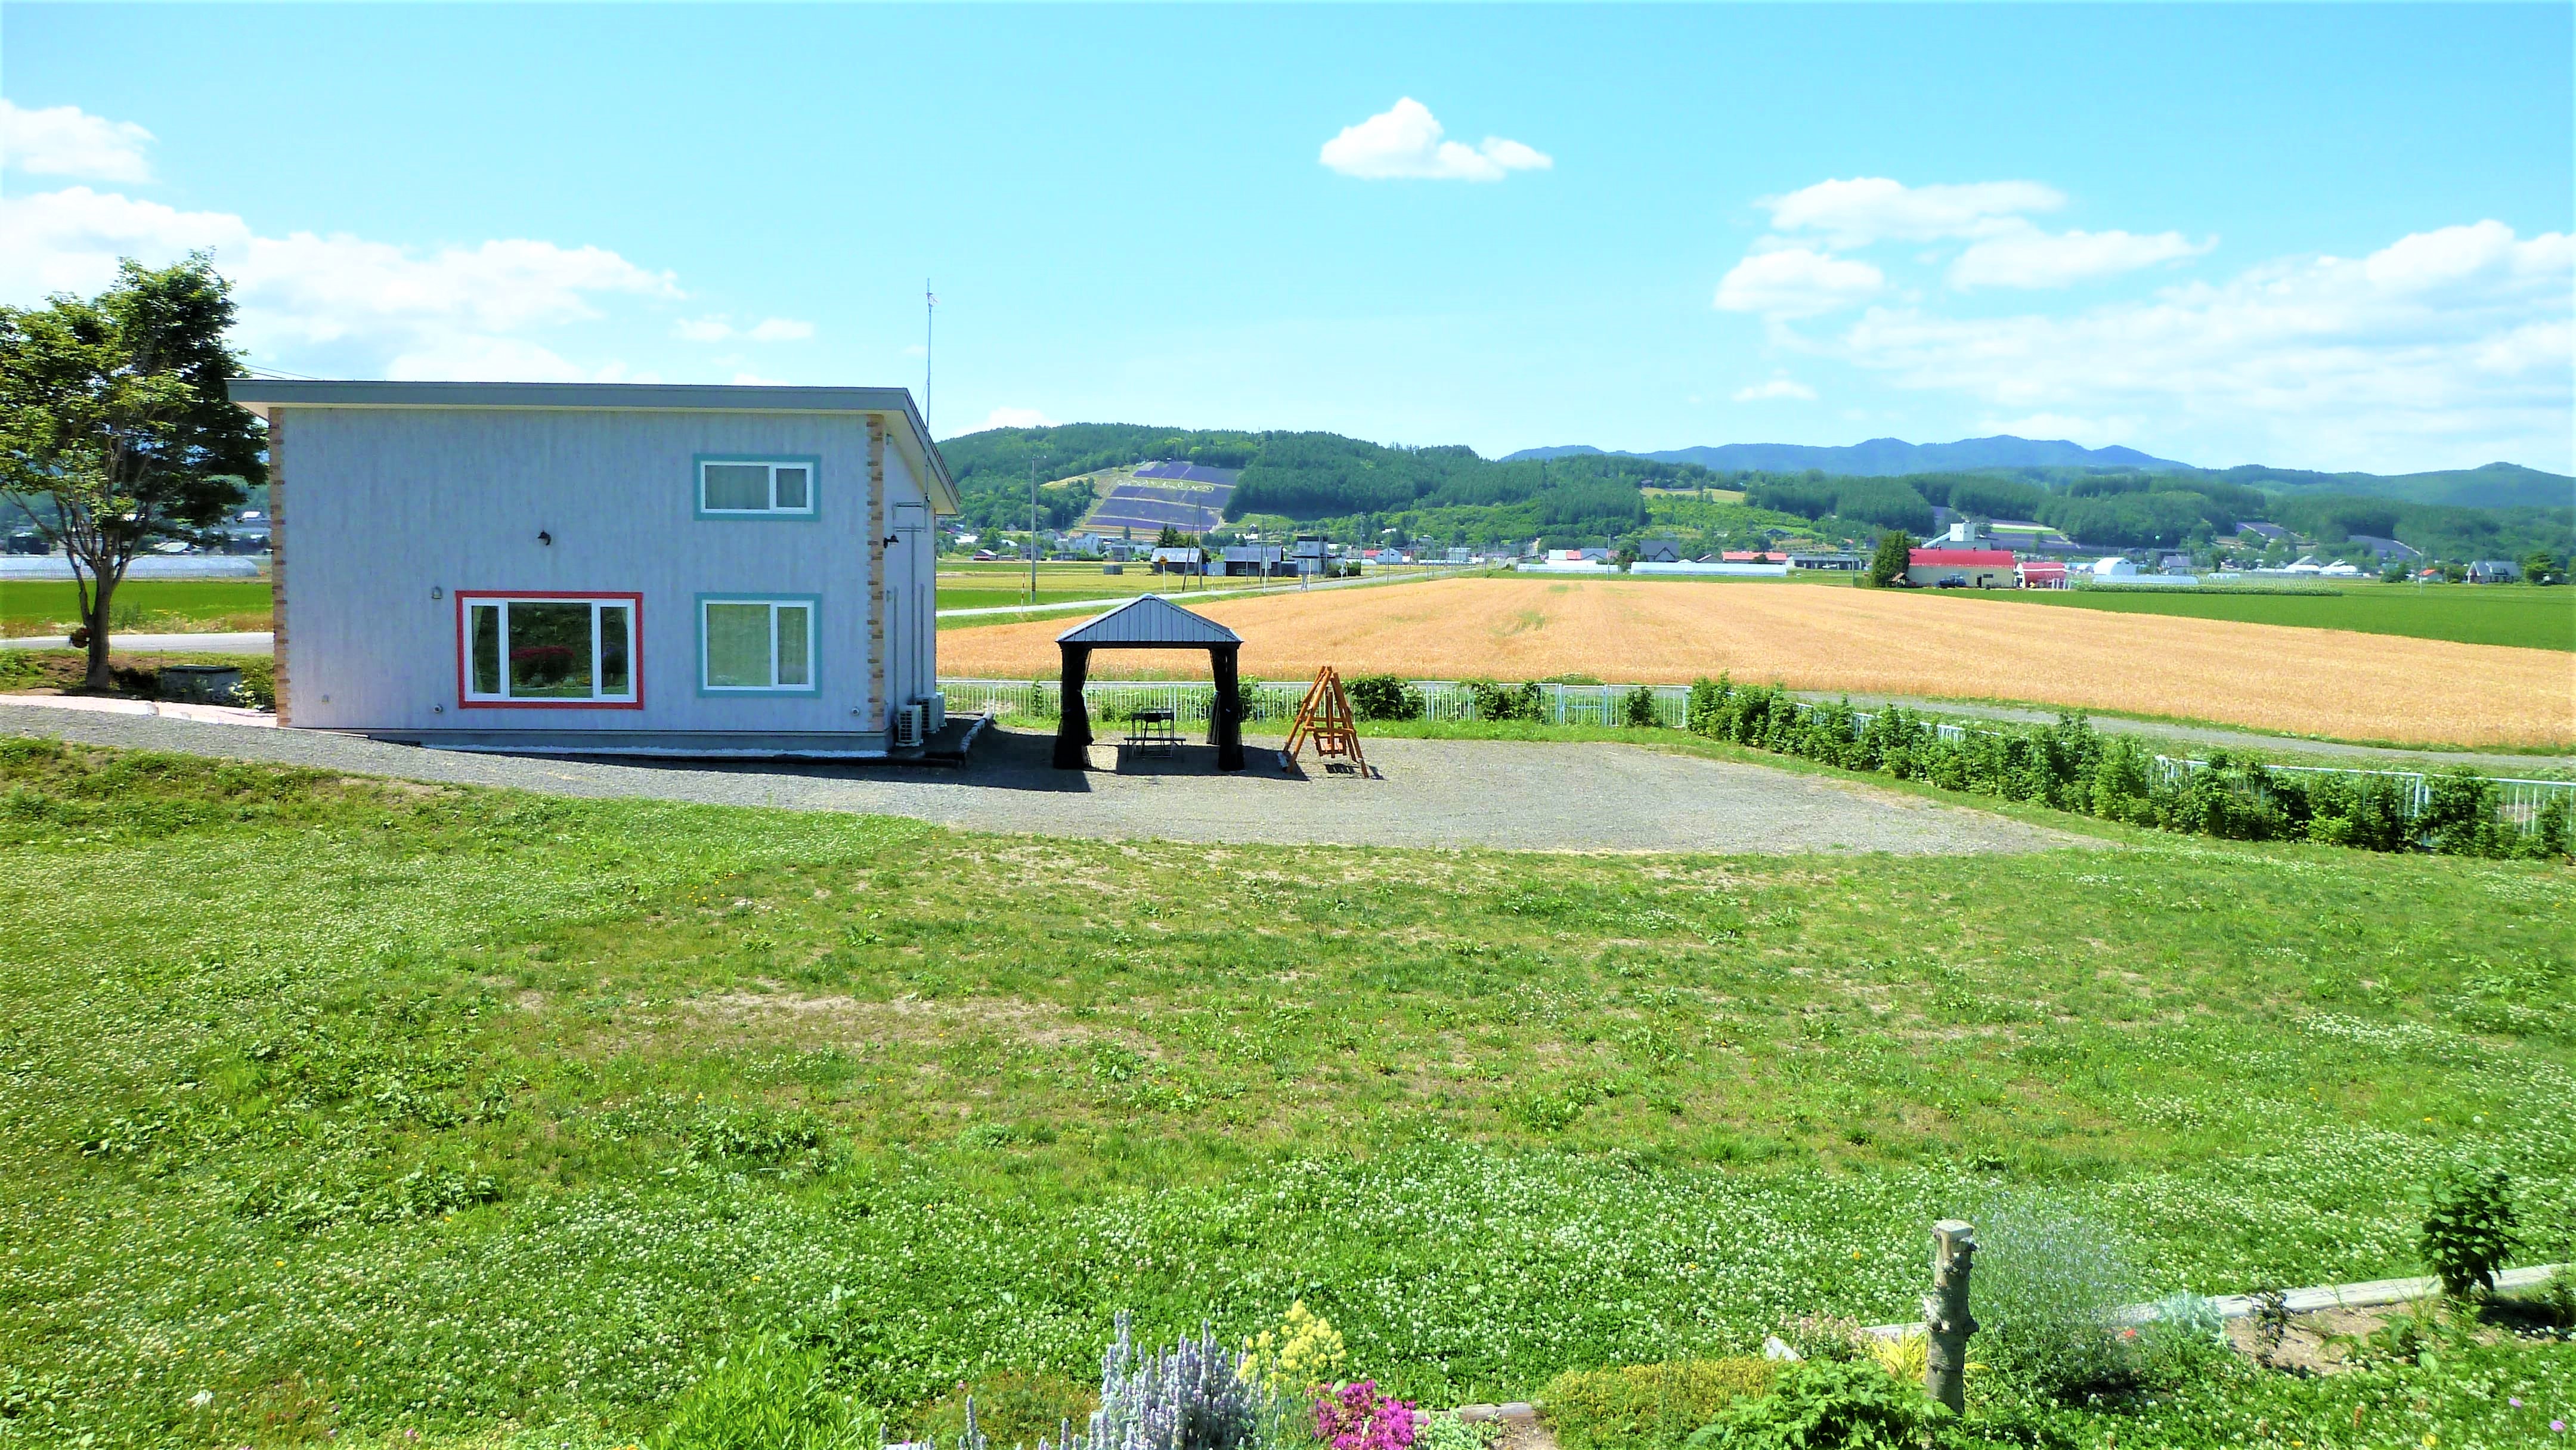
x,y
1324,717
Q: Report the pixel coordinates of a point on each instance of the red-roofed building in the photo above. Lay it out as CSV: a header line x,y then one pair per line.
x,y
1751,556
2041,574
1974,568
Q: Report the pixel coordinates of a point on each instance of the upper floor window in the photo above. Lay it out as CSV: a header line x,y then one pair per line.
x,y
739,486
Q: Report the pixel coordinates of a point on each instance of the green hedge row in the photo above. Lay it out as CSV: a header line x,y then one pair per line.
x,y
2072,767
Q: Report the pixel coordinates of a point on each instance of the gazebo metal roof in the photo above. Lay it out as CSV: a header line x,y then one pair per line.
x,y
1149,620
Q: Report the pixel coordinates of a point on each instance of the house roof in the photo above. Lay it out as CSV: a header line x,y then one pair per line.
x,y
911,436
1957,558
1149,619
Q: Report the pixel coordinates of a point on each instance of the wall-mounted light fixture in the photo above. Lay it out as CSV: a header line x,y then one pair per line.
x,y
437,593
545,538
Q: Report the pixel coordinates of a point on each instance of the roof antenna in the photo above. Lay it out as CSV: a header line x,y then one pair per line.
x,y
929,304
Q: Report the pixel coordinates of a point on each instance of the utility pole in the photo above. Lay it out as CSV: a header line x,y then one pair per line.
x,y
1033,531
929,315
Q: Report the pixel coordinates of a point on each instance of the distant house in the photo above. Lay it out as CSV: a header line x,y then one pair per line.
x,y
1254,560
2040,574
1752,556
2268,533
1652,551
2383,549
2494,571
1975,568
2175,563
1180,560
1825,561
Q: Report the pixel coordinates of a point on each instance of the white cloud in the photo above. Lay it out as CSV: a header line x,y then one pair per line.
x,y
1405,141
68,141
1797,282
1866,209
1776,390
719,328
2025,256
1013,418
2446,347
461,311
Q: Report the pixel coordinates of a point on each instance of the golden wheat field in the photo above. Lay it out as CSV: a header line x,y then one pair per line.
x,y
2322,682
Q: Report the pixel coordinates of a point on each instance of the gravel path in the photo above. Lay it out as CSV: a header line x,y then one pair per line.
x,y
1440,793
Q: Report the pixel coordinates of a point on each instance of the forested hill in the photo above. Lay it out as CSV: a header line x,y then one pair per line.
x,y
1321,476
1355,490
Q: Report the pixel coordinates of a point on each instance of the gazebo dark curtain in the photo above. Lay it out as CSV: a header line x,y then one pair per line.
x,y
1073,721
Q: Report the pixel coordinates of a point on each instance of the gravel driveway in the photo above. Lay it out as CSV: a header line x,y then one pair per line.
x,y
1509,795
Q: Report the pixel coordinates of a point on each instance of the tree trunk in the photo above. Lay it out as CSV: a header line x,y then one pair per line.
x,y
95,621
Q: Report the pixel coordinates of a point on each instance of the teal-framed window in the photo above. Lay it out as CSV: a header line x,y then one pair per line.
x,y
785,486
760,644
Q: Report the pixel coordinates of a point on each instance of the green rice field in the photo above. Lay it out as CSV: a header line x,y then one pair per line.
x,y
2524,616
26,604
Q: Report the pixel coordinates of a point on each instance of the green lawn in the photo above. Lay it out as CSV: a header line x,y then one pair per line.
x,y
2527,616
28,602
371,1106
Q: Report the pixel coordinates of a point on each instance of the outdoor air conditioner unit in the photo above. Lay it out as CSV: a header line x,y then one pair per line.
x,y
937,702
908,733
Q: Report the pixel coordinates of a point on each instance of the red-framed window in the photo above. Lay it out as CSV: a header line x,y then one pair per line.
x,y
549,650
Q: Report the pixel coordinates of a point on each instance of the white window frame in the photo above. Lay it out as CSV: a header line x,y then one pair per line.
x,y
812,467
468,601
812,604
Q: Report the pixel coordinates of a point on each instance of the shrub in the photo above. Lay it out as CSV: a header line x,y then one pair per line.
x,y
1647,1404
2046,1288
1357,1417
1193,1396
1812,1406
1010,1407
769,1395
258,680
1905,1358
1448,1432
2468,1228
1303,1352
1384,697
1507,702
1639,709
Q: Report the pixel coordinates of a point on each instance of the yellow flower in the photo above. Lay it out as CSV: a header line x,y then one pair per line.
x,y
1855,1253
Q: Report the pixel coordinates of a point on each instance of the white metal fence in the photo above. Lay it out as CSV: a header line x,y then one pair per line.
x,y
1274,702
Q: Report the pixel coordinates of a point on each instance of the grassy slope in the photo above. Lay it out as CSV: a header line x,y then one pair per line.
x,y
2532,618
430,1105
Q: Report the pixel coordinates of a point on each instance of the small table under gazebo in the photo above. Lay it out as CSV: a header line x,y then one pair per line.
x,y
1149,621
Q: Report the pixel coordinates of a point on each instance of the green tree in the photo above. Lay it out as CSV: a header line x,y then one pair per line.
x,y
2541,567
113,414
1887,566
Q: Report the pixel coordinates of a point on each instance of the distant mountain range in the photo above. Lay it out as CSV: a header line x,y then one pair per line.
x,y
2497,485
1881,456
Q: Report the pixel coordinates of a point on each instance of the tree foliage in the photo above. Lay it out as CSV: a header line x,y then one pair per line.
x,y
113,412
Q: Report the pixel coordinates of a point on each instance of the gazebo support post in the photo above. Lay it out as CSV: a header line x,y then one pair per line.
x,y
1229,708
1073,720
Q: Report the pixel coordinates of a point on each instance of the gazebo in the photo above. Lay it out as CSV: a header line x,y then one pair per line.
x,y
1149,621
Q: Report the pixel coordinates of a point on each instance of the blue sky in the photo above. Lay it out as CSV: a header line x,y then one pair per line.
x,y
2318,236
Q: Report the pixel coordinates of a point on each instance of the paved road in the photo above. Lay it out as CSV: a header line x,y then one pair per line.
x,y
1438,793
157,644
2385,757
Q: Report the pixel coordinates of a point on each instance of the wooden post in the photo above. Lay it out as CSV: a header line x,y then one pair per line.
x,y
1946,1320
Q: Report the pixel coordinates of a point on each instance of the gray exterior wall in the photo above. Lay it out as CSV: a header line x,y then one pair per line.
x,y
392,503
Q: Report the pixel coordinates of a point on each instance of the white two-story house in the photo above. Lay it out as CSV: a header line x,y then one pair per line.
x,y
604,568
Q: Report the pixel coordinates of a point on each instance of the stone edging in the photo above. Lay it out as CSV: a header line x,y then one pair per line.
x,y
2308,1301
